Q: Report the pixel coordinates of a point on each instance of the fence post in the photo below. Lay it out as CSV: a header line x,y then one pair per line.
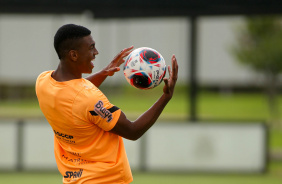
x,y
193,70
143,153
20,145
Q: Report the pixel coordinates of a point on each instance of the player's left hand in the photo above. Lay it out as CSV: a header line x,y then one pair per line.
x,y
173,75
113,67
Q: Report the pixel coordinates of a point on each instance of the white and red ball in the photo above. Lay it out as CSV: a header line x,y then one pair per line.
x,y
144,68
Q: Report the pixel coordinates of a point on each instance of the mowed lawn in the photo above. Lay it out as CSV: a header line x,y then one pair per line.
x,y
152,178
210,106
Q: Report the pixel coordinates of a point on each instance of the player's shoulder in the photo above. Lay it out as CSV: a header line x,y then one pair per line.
x,y
89,94
44,74
42,77
88,90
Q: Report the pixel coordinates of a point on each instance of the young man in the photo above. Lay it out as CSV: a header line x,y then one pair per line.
x,y
88,129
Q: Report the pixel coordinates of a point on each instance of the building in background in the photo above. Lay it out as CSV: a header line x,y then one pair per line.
x,y
26,46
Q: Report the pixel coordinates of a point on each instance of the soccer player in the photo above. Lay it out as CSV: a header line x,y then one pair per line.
x,y
87,128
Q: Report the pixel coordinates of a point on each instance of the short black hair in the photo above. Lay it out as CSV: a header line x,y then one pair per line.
x,y
66,38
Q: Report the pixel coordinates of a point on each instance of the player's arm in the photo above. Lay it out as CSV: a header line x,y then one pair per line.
x,y
134,130
98,78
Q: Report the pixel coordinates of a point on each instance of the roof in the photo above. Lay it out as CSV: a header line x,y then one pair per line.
x,y
144,8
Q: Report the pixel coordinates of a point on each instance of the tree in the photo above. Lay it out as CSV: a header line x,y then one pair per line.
x,y
259,45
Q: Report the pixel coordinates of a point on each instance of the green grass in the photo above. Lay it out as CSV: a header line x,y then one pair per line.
x,y
30,178
233,106
134,102
211,106
275,137
274,177
20,109
148,178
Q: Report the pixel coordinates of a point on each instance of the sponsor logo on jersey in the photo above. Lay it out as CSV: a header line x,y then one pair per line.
x,y
76,161
73,174
75,153
100,110
63,135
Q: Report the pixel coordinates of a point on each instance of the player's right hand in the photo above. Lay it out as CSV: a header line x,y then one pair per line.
x,y
116,62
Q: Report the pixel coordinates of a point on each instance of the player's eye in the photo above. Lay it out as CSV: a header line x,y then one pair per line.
x,y
92,46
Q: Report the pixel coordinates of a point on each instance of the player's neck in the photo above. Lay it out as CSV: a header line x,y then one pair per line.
x,y
65,73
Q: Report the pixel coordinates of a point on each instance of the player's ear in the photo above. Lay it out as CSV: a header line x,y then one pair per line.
x,y
73,55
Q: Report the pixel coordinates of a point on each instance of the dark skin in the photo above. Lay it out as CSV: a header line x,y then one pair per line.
x,y
77,62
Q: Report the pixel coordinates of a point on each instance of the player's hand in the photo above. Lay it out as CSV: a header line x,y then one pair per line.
x,y
113,67
173,75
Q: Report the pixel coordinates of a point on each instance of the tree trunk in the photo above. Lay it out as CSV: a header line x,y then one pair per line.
x,y
272,92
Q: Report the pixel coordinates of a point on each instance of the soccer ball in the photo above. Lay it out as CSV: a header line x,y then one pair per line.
x,y
144,68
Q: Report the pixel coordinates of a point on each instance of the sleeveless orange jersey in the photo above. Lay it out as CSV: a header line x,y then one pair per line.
x,y
81,116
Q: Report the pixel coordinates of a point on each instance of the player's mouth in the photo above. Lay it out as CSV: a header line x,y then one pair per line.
x,y
92,62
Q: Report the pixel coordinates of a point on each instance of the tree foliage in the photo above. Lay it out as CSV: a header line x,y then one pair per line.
x,y
259,45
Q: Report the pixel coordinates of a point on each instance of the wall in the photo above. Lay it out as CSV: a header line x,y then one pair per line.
x,y
186,147
26,45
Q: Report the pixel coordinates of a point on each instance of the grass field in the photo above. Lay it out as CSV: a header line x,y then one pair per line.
x,y
211,106
225,107
151,178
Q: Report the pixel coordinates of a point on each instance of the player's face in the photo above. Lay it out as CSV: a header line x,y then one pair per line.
x,y
87,53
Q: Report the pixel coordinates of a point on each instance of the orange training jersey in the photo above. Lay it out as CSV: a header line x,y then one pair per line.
x,y
81,116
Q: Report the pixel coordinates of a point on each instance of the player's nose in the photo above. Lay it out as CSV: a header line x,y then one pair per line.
x,y
96,52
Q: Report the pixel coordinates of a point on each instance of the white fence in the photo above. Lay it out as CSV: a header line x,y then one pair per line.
x,y
182,147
